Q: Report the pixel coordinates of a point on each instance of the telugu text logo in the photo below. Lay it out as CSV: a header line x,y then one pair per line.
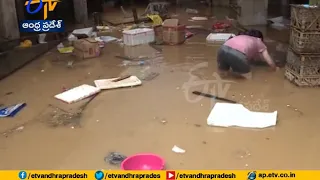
x,y
47,5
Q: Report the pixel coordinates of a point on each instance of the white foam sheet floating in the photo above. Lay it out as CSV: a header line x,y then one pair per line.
x,y
227,115
78,93
105,84
199,18
219,37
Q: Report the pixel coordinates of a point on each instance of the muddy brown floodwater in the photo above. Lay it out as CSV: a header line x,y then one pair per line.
x,y
44,136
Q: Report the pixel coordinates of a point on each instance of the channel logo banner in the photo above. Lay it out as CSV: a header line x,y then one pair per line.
x,y
158,175
81,174
243,175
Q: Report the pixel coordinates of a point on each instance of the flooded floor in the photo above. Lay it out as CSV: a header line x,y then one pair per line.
x,y
157,115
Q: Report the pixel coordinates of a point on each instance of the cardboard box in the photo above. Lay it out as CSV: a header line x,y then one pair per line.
x,y
173,32
158,34
86,48
104,33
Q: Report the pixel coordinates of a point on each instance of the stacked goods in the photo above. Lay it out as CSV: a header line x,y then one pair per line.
x,y
303,69
303,58
138,36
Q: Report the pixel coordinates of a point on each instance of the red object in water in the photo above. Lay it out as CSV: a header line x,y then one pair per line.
x,y
220,25
188,34
64,89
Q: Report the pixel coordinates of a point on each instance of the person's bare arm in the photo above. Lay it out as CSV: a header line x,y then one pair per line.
x,y
268,59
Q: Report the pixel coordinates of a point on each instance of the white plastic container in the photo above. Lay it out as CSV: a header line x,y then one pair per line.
x,y
138,36
42,38
86,31
219,37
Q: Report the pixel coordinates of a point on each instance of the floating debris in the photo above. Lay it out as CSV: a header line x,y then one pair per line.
x,y
150,76
11,111
295,109
70,64
192,11
243,154
114,158
8,93
176,149
20,128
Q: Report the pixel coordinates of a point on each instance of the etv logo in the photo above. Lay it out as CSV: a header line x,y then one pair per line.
x,y
52,6
171,175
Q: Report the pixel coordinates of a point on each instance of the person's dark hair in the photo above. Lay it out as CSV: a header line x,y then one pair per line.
x,y
253,33
256,33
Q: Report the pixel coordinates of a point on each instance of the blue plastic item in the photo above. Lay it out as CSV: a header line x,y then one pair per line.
x,y
11,110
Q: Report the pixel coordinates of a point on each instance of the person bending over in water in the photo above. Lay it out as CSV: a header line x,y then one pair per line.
x,y
237,53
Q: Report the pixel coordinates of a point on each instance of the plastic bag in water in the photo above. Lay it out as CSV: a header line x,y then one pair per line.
x,y
115,158
11,110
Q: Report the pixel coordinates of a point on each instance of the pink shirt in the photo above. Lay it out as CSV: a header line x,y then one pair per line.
x,y
248,45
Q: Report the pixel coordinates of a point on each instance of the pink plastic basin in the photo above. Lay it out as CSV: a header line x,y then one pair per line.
x,y
143,162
